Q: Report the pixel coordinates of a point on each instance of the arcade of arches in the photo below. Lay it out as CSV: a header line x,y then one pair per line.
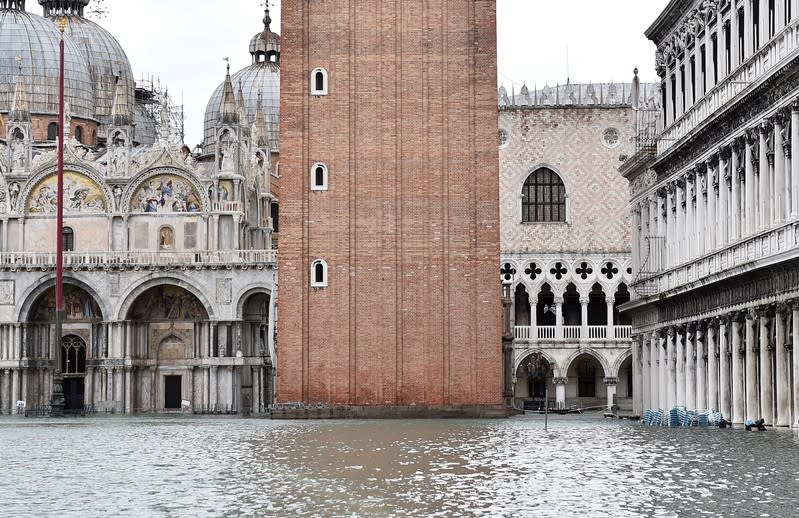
x,y
167,355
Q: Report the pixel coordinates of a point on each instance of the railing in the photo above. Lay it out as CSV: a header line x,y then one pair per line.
x,y
759,246
763,61
571,333
138,259
227,206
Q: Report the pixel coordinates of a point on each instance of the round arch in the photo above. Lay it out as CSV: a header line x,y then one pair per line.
x,y
130,296
96,180
599,357
626,355
46,282
175,175
527,354
246,293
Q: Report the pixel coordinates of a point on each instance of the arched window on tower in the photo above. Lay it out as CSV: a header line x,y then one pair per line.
x,y
319,274
319,177
52,131
319,81
543,197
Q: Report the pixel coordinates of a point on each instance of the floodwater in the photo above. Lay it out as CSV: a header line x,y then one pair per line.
x,y
206,466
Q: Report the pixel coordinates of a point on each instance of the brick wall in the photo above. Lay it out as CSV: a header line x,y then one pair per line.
x,y
410,223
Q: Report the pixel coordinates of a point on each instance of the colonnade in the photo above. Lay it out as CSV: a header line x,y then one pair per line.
x,y
742,364
748,185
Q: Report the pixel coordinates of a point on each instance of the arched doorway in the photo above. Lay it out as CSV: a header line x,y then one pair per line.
x,y
256,378
586,381
78,344
533,380
169,332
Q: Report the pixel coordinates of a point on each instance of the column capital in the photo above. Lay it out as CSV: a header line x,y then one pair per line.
x,y
763,312
795,106
765,126
611,381
560,381
795,304
671,331
725,152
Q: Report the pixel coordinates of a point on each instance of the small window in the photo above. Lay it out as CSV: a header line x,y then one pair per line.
x,y
79,134
319,177
166,238
319,274
68,239
52,131
319,81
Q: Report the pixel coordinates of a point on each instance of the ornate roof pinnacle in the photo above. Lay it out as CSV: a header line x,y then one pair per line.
x,y
228,111
19,109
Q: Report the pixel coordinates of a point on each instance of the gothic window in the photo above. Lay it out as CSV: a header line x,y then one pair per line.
x,y
68,239
319,274
319,177
52,131
319,81
73,355
543,197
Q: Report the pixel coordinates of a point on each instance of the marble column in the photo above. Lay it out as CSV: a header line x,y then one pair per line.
x,y
583,317
712,366
654,370
680,340
735,214
640,365
609,303
795,355
766,369
15,385
779,170
668,219
725,354
671,374
700,246
663,369
690,366
661,216
764,183
679,234
782,374
690,230
559,317
752,399
128,389
750,186
795,165
610,384
560,391
738,352
214,399
722,179
702,354
711,217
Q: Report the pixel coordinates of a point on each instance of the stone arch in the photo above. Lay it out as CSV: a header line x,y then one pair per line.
x,y
46,282
243,295
527,354
623,357
170,173
598,356
29,189
132,294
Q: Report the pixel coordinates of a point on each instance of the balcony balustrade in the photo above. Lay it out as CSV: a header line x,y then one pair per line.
x,y
572,333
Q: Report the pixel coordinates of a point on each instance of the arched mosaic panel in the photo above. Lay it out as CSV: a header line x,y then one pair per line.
x,y
82,195
166,193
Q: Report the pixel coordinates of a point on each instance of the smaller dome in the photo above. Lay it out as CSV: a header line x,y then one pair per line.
x,y
265,46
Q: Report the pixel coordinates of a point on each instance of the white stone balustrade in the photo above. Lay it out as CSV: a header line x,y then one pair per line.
x,y
47,260
572,333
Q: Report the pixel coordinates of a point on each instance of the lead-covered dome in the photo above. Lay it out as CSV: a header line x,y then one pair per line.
x,y
261,80
106,60
35,41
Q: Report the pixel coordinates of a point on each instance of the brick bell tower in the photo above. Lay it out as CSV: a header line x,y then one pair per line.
x,y
389,243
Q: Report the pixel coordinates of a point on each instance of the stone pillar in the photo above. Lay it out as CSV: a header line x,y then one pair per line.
x,y
722,182
764,183
725,400
645,375
559,317
779,170
663,369
15,387
560,391
671,375
690,366
735,191
609,303
638,370
701,367
668,220
766,372
711,217
689,230
128,389
661,215
751,382
750,212
783,375
749,43
583,317
699,192
738,352
213,396
795,350
654,371
680,344
670,108
610,384
712,366
795,163
679,234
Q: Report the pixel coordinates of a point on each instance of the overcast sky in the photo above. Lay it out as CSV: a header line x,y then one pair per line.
x,y
183,42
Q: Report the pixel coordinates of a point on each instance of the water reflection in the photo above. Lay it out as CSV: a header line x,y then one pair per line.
x,y
208,466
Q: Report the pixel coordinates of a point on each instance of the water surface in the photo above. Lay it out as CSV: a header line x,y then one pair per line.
x,y
205,466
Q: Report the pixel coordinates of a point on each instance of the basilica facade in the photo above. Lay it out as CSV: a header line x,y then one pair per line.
x,y
169,271
715,213
565,240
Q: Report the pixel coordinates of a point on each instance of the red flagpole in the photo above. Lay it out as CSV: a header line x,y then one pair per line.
x,y
57,402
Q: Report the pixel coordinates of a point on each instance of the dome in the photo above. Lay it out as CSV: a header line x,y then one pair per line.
x,y
106,61
261,80
36,41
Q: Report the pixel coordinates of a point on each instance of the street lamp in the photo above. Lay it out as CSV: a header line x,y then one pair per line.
x,y
57,399
507,344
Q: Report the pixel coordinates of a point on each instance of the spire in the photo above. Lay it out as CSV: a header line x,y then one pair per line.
x,y
228,109
636,89
260,123
68,7
267,18
19,110
120,111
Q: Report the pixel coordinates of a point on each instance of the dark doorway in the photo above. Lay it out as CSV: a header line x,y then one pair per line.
x,y
172,388
73,394
586,379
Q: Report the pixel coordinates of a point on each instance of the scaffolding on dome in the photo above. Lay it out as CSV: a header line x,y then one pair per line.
x,y
166,115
